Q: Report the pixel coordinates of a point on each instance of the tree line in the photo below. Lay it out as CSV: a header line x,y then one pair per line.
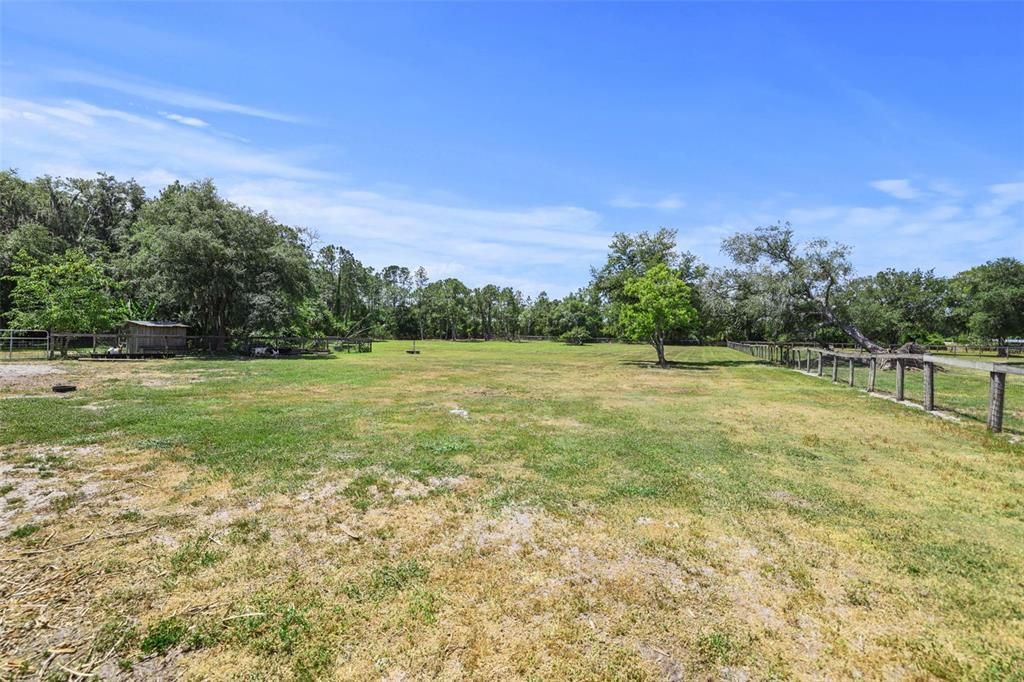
x,y
85,254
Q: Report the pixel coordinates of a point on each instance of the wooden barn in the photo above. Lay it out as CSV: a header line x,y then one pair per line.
x,y
146,337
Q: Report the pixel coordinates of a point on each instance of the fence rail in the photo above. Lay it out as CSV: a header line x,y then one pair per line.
x,y
1012,348
801,357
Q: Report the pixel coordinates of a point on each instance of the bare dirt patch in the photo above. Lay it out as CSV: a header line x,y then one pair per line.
x,y
10,372
25,380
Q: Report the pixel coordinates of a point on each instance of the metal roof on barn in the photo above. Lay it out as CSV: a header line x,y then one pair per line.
x,y
157,323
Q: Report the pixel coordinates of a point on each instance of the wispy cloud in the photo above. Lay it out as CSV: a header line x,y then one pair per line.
x,y
533,248
671,202
186,120
43,137
1003,197
899,188
168,95
947,233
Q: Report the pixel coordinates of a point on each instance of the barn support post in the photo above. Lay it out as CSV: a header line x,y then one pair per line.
x,y
850,379
872,368
899,380
929,386
835,368
996,394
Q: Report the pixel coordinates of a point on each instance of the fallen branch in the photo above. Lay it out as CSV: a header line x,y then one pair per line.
x,y
89,538
72,671
254,614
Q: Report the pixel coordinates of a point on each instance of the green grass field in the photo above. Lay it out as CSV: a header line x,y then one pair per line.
x,y
592,517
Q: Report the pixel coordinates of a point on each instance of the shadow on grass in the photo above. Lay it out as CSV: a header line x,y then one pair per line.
x,y
698,366
246,358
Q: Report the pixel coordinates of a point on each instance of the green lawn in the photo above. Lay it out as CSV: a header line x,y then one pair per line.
x,y
593,517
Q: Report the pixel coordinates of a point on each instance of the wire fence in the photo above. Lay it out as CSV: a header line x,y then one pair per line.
x,y
24,344
954,384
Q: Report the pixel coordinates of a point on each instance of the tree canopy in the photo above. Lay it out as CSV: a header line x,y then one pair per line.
x,y
188,254
657,304
69,293
989,299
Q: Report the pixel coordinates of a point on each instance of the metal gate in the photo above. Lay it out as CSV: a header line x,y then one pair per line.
x,y
24,344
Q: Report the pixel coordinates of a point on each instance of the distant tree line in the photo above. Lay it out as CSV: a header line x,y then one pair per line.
x,y
86,254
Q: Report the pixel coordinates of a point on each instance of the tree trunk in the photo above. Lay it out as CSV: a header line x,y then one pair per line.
x,y
852,331
659,346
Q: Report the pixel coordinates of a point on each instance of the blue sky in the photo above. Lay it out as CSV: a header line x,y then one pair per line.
x,y
507,142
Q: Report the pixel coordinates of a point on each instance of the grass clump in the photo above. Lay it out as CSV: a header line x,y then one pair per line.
x,y
366,489
24,531
718,647
163,635
273,625
386,580
248,531
193,556
118,635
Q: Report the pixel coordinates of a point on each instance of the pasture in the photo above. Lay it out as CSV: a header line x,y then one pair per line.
x,y
590,517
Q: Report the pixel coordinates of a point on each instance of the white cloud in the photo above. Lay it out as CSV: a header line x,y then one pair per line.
x,y
1004,197
899,188
167,95
46,138
671,202
187,120
947,236
946,233
539,247
533,248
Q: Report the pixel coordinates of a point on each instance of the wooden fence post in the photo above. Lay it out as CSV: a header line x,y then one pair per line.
x,y
899,380
929,386
835,368
996,393
851,372
821,363
872,368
